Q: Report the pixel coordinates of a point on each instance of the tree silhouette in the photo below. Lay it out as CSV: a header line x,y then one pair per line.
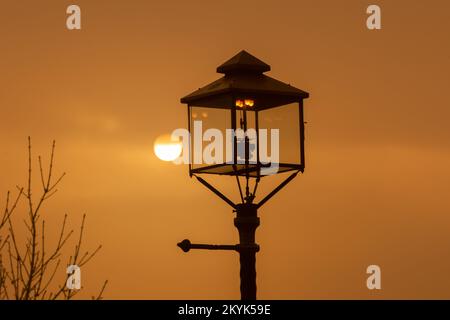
x,y
28,267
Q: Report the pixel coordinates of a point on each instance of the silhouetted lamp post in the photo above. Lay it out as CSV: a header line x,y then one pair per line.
x,y
245,98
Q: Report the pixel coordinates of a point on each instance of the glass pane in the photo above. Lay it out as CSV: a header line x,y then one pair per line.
x,y
286,120
208,136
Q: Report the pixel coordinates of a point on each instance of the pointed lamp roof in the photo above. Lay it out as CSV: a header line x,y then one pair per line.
x,y
243,61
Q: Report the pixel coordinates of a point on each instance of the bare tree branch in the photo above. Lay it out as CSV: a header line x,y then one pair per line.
x,y
31,269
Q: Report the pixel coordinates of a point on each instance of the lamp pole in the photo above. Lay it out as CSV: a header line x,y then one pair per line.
x,y
246,222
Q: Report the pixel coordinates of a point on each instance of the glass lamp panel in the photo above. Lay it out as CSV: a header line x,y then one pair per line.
x,y
208,136
285,119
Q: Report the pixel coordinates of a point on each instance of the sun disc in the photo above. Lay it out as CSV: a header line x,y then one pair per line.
x,y
167,149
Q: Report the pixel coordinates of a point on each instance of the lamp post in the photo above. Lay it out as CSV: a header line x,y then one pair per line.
x,y
247,101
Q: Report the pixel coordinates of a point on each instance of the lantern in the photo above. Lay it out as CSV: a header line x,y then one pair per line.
x,y
247,125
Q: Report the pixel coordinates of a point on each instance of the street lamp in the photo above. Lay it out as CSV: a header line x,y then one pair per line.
x,y
246,106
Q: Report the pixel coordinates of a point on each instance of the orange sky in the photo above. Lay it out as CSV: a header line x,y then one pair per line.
x,y
375,189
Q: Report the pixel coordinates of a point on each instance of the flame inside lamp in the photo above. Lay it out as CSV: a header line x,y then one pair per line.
x,y
166,148
244,103
249,102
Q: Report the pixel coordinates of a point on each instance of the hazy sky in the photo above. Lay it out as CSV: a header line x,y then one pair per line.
x,y
376,185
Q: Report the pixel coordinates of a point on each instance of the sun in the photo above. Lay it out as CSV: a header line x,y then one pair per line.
x,y
166,148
